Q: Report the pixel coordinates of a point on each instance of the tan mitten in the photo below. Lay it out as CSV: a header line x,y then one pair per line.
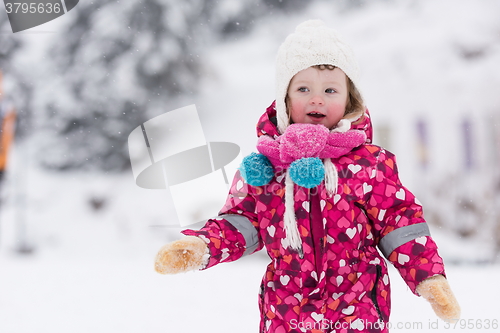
x,y
437,291
187,254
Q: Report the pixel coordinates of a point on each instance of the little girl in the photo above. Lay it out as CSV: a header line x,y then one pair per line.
x,y
321,198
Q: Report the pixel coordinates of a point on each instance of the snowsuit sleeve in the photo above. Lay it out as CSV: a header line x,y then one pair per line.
x,y
234,232
400,230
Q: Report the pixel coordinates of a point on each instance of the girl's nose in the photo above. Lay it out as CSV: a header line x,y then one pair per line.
x,y
316,100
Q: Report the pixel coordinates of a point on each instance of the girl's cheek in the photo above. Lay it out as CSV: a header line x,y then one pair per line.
x,y
340,106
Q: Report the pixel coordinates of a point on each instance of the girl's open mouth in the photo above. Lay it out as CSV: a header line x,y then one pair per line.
x,y
316,115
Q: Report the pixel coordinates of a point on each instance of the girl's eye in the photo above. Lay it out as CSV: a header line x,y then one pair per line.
x,y
330,91
303,89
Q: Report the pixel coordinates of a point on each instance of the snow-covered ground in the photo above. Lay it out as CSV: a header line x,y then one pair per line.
x,y
91,270
113,288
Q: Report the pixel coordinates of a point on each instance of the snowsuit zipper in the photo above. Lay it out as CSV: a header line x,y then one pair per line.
x,y
317,230
373,294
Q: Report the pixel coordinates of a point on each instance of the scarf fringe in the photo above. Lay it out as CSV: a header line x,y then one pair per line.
x,y
331,177
291,229
331,173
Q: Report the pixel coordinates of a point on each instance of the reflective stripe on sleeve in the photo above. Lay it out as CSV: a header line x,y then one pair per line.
x,y
402,235
246,228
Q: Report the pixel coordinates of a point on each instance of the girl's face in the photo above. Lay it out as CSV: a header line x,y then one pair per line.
x,y
318,96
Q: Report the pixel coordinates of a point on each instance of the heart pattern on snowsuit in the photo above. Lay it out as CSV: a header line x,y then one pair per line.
x,y
341,277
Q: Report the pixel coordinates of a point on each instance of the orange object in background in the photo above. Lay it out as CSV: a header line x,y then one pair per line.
x,y
8,122
7,128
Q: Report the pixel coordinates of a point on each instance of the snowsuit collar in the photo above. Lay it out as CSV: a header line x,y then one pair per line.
x,y
267,124
309,140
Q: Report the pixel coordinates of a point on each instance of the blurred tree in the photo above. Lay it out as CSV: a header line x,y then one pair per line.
x,y
124,62
238,17
8,45
12,77
121,64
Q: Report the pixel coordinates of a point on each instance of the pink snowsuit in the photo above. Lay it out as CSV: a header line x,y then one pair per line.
x,y
342,279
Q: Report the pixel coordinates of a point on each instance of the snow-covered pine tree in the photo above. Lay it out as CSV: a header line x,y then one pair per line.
x,y
120,63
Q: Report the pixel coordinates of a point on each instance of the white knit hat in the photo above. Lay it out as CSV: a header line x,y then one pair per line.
x,y
312,43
